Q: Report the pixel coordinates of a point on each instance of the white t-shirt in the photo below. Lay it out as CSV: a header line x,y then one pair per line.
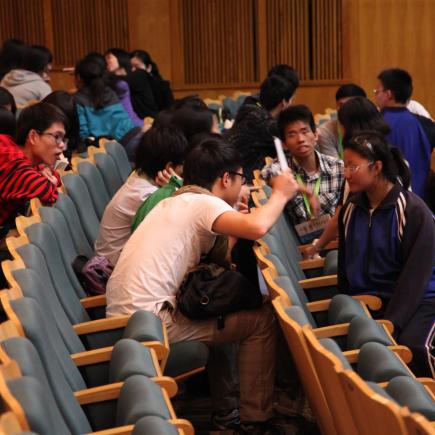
x,y
170,240
115,226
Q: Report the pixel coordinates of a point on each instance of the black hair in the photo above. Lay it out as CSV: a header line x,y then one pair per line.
x,y
11,55
122,56
68,105
158,147
349,90
44,50
36,60
7,98
8,123
287,72
295,113
209,160
92,73
373,146
360,114
39,117
192,120
163,118
145,57
399,82
98,57
188,101
274,90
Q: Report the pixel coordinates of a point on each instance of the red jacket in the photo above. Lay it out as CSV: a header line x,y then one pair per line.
x,y
20,180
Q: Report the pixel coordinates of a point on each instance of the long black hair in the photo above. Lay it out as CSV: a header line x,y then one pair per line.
x,y
92,73
373,146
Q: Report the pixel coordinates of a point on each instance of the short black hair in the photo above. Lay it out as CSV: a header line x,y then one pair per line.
x,y
192,120
360,114
275,89
45,50
7,98
158,147
39,117
349,90
35,59
8,123
209,160
399,82
285,71
295,113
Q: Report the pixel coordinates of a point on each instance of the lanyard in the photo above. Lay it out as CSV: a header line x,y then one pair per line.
x,y
304,195
340,142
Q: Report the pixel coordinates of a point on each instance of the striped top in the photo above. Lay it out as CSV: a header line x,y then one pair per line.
x,y
20,181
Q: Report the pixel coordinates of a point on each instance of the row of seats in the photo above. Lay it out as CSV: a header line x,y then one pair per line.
x,y
66,368
353,372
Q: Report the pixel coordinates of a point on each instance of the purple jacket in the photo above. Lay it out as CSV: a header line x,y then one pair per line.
x,y
124,99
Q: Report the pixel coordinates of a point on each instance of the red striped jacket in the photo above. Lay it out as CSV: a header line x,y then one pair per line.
x,y
20,180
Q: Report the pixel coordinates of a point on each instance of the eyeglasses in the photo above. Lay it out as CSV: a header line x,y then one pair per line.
x,y
242,176
353,169
58,138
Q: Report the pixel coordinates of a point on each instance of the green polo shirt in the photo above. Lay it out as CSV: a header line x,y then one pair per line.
x,y
164,192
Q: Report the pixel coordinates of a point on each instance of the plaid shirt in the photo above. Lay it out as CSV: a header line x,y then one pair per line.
x,y
331,181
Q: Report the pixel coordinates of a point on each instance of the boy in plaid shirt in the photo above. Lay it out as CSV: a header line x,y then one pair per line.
x,y
321,173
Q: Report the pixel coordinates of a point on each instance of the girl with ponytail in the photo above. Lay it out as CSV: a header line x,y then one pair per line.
x,y
100,112
387,242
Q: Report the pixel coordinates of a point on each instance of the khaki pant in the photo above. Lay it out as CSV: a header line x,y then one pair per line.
x,y
255,331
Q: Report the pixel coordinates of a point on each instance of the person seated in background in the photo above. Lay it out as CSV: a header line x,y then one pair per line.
x,y
393,91
173,238
141,60
68,105
100,112
11,55
141,95
119,68
193,121
255,124
387,242
159,149
49,67
7,101
330,141
26,83
26,165
320,173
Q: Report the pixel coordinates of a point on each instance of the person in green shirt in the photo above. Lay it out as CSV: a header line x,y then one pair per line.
x,y
164,192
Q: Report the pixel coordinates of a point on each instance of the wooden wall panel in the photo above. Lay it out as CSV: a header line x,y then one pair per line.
x,y
81,26
22,19
219,41
287,30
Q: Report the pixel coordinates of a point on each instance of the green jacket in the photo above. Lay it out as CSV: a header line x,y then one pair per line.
x,y
164,192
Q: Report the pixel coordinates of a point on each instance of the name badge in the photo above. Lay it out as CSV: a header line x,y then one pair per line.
x,y
312,229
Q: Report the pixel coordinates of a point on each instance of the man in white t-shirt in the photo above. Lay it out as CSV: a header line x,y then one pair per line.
x,y
159,149
172,239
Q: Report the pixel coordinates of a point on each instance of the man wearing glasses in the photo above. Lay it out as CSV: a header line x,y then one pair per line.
x,y
393,91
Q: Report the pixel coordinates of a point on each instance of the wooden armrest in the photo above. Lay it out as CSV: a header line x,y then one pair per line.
x,y
99,394
104,354
103,393
315,263
316,306
101,325
429,383
321,281
329,246
94,301
120,430
184,425
388,326
331,331
373,302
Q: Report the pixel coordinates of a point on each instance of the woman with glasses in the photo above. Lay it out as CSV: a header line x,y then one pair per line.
x,y
387,242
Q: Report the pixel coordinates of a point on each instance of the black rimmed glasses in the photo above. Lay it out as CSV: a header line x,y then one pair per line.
x,y
242,176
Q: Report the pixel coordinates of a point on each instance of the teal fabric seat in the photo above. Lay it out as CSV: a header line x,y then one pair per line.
x,y
154,425
96,187
111,176
79,193
66,206
119,155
